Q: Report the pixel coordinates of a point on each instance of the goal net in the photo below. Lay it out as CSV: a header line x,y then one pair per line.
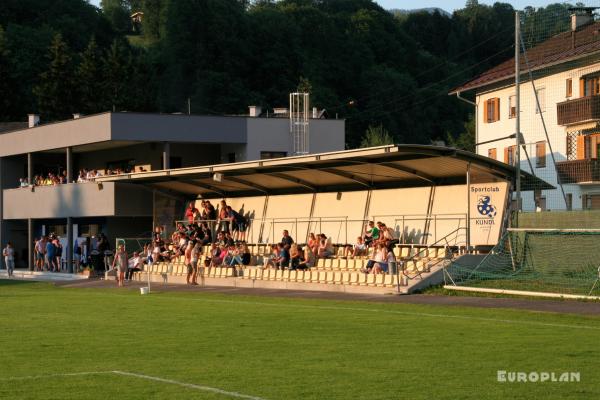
x,y
560,261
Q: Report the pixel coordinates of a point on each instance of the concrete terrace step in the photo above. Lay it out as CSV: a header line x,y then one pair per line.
x,y
23,274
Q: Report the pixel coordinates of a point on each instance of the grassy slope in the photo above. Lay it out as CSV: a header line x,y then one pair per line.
x,y
281,348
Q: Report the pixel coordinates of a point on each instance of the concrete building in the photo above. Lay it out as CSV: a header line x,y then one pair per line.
x,y
128,142
566,72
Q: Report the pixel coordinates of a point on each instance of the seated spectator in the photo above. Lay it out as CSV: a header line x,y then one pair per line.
x,y
378,263
325,246
357,250
308,260
134,265
383,266
156,252
220,256
295,256
271,259
387,236
23,182
287,240
371,233
283,257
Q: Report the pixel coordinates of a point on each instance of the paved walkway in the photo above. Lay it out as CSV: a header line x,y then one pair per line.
x,y
557,306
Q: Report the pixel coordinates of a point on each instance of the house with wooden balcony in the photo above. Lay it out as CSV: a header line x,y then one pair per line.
x,y
559,110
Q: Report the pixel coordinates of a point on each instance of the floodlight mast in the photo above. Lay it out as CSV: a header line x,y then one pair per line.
x,y
299,122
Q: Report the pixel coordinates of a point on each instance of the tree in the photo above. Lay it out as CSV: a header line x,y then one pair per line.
x,y
90,79
466,139
118,13
117,76
55,90
5,73
376,136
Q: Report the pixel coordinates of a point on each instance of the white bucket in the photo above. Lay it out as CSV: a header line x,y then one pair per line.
x,y
144,290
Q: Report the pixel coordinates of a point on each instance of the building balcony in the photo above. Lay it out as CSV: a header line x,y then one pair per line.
x,y
579,171
77,200
580,110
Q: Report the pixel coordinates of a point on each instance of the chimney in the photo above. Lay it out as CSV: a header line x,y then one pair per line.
x,y
315,113
581,17
254,111
76,116
34,120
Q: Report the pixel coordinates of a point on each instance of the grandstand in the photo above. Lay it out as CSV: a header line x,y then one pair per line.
x,y
427,194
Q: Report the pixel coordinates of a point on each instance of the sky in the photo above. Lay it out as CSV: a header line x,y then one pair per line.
x,y
450,5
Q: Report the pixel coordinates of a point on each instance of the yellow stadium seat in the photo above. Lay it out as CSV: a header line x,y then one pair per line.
x,y
286,275
362,279
379,279
308,275
346,278
337,278
354,276
390,280
323,276
321,263
330,276
370,279
314,276
292,276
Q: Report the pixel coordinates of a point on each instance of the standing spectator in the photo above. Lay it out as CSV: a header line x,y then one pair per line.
x,y
188,261
287,240
40,252
191,212
196,252
9,258
120,264
50,255
134,265
224,219
239,224
58,253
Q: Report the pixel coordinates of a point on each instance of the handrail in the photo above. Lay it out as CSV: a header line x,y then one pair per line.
x,y
343,235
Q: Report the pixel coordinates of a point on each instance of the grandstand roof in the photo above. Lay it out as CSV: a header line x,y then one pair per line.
x,y
372,168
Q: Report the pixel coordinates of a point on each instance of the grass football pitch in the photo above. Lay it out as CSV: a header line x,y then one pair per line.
x,y
65,343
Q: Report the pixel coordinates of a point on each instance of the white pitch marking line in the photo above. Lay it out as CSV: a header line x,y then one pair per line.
x,y
22,378
190,385
141,376
413,314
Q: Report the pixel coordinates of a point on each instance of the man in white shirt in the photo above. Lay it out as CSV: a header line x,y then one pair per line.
x,y
135,264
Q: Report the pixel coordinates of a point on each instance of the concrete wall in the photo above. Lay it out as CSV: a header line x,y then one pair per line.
x,y
57,135
273,134
178,128
77,200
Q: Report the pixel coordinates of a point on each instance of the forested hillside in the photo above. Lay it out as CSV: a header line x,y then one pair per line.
x,y
359,61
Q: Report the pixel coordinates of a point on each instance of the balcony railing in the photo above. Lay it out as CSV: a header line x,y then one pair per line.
x,y
579,171
578,110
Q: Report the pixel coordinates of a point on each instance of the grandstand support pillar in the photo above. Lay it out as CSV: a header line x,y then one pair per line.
x,y
69,245
30,244
166,155
69,164
468,235
517,156
1,210
30,168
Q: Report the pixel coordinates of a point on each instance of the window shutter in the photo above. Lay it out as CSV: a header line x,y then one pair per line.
x,y
581,87
581,147
485,112
497,109
506,155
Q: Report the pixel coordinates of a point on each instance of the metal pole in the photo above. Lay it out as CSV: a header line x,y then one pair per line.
x,y
468,207
517,157
69,244
1,209
30,168
167,156
69,164
30,244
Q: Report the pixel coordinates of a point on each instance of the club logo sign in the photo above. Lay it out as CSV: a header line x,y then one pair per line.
x,y
487,203
485,207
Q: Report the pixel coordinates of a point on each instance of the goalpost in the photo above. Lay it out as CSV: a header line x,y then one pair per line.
x,y
534,262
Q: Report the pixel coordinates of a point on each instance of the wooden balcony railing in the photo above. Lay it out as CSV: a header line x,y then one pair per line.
x,y
578,110
579,171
